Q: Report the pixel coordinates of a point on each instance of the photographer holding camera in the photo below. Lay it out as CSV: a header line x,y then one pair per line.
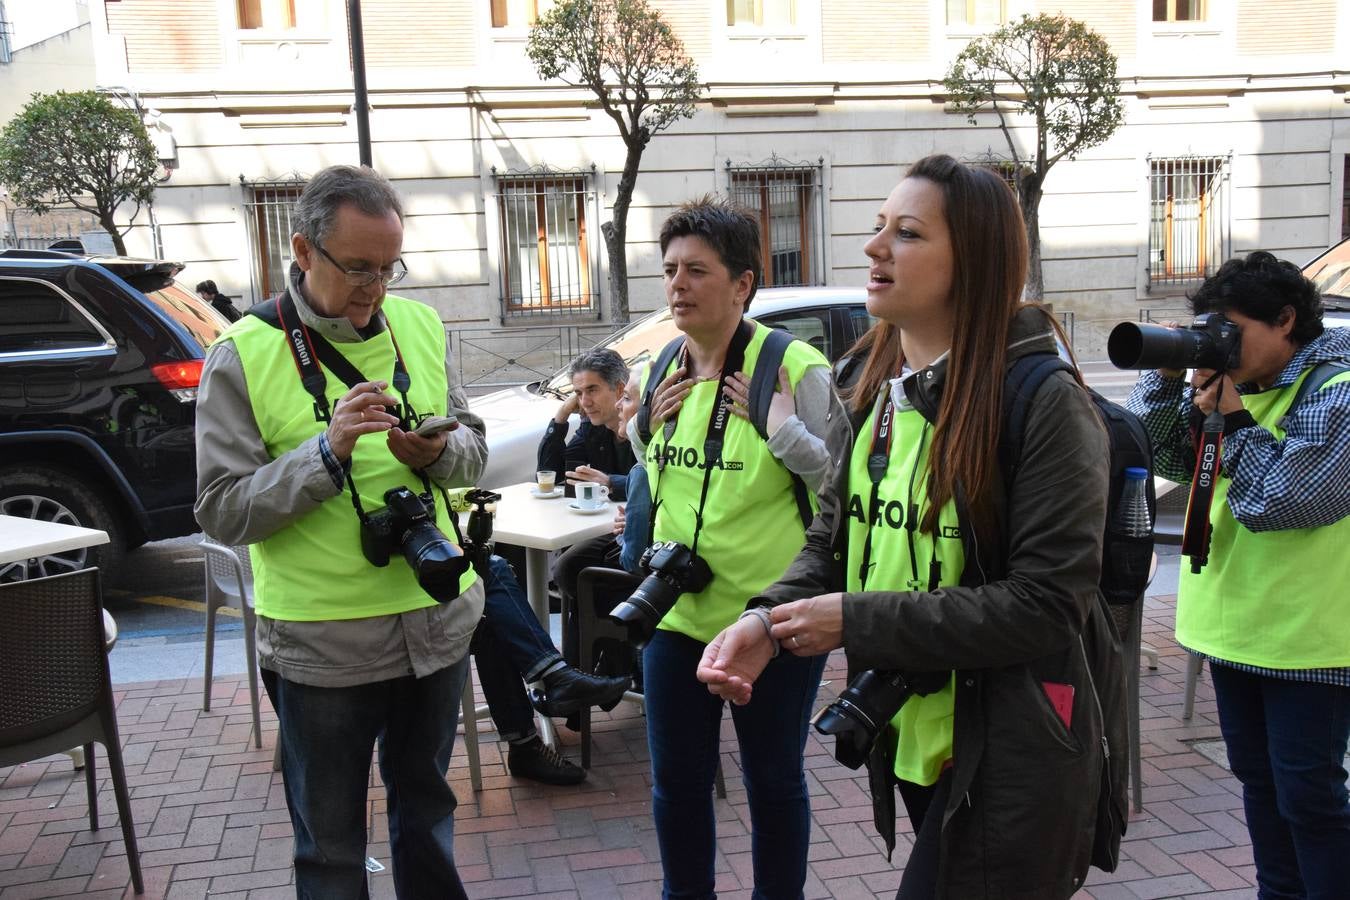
x,y
925,560
1269,610
364,607
725,522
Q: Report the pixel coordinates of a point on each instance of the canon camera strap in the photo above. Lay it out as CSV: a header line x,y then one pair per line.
x,y
1209,443
717,428
308,350
878,461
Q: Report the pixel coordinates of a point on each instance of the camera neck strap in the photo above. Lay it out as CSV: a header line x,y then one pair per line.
x,y
716,434
309,349
1208,445
878,461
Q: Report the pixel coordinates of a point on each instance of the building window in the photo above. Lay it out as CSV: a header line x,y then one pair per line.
x,y
282,15
761,13
1178,10
1189,223
545,253
785,197
518,13
268,209
975,12
1345,198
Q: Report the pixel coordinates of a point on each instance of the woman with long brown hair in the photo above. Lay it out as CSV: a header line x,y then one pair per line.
x,y
927,558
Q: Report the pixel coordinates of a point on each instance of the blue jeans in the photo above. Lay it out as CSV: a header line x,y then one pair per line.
x,y
1286,744
327,735
509,644
682,729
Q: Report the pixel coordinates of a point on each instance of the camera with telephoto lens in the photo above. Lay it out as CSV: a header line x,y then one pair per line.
x,y
871,699
672,569
407,522
1210,342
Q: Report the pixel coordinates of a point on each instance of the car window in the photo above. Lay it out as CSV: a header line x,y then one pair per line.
x,y
36,317
190,311
812,327
1331,271
861,320
637,344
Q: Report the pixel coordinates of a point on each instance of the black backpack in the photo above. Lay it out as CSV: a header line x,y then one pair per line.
x,y
1125,567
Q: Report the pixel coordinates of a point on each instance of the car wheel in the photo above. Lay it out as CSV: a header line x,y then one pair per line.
x,y
55,495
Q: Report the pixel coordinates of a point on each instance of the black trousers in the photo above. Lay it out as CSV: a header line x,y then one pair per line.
x,y
598,551
924,806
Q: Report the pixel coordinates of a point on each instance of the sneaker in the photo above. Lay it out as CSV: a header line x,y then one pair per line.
x,y
571,690
535,761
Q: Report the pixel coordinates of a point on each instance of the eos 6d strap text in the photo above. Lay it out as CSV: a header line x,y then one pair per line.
x,y
1209,443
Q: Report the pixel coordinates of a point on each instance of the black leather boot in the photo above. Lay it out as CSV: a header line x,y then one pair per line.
x,y
536,761
570,690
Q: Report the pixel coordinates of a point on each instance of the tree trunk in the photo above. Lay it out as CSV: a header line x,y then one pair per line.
x,y
616,232
106,220
1029,196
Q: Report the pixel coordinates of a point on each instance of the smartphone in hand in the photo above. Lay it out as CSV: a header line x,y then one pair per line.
x,y
434,425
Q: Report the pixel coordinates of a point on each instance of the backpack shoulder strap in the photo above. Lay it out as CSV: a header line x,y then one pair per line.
x,y
763,385
655,375
764,380
267,311
1315,381
1025,377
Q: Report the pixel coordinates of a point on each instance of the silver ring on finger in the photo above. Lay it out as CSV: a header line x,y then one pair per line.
x,y
796,644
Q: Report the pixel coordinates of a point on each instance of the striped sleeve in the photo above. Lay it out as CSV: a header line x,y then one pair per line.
x,y
1164,405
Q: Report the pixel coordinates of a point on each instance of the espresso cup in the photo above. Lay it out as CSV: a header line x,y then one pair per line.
x,y
546,481
591,495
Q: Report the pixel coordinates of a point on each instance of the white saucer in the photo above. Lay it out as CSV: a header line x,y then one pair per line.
x,y
550,495
588,511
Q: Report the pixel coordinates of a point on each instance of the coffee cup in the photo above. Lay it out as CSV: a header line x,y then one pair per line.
x,y
545,480
591,495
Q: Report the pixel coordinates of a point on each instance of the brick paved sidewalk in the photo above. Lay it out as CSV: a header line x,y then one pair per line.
x,y
212,821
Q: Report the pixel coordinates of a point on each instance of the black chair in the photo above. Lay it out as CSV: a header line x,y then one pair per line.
x,y
55,690
594,625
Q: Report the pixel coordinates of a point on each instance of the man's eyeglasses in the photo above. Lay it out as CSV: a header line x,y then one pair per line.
x,y
362,278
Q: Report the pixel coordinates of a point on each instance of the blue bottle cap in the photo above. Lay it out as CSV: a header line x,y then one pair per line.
x,y
1135,473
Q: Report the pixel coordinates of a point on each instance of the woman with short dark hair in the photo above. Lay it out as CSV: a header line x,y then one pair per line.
x,y
1269,609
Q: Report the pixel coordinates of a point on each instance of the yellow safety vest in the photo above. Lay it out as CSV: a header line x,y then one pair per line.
x,y
313,569
924,724
1273,599
751,526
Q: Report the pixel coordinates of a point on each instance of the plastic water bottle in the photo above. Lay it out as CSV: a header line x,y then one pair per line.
x,y
1132,518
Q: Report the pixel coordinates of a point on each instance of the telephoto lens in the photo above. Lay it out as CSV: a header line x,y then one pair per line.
x,y
857,718
1210,342
436,561
673,569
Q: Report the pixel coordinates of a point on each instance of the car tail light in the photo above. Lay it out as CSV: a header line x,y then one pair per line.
x,y
181,378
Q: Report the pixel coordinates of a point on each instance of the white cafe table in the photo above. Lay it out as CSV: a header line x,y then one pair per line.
x,y
22,539
540,526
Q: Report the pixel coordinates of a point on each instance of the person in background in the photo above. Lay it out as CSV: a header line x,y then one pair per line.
x,y
207,291
596,452
1269,611
923,560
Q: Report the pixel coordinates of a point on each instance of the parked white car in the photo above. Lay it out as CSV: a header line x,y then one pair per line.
x,y
828,318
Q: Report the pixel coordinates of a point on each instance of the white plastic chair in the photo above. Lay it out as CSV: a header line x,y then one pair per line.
x,y
229,582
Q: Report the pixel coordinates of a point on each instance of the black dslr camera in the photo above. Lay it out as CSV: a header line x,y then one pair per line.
x,y
871,700
673,569
1210,342
408,522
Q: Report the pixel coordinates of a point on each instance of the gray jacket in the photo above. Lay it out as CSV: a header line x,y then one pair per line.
x,y
244,495
1020,822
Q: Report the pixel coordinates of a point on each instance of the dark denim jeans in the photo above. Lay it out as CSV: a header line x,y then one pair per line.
x,y
1286,744
682,729
509,645
327,735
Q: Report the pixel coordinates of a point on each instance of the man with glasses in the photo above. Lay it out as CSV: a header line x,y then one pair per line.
x,y
292,460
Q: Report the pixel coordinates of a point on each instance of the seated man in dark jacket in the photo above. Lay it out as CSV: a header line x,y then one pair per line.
x,y
596,452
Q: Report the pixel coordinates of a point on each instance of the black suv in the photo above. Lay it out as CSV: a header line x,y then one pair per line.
x,y
99,363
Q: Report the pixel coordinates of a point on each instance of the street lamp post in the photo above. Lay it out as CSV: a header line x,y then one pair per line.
x,y
362,105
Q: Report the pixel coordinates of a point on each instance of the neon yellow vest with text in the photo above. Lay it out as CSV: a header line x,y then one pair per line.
x,y
1273,599
924,724
751,526
313,569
